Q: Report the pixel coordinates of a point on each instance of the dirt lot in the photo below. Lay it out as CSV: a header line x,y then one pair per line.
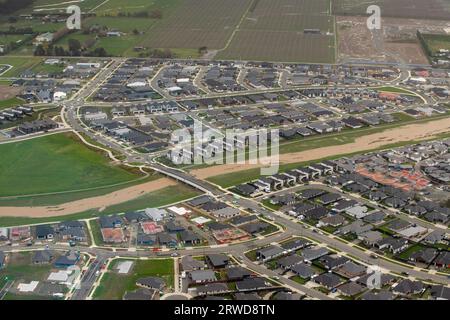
x,y
114,198
398,39
7,92
372,141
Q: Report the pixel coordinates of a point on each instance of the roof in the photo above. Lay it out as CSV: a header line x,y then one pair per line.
x,y
202,275
251,284
381,295
329,280
188,263
237,273
303,270
218,260
351,288
314,253
151,282
407,286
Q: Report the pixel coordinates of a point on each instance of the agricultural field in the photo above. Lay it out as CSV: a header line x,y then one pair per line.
x,y
429,9
274,31
113,285
197,23
55,163
18,65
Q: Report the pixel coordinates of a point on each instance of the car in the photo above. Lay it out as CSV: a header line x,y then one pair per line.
x,y
175,254
405,273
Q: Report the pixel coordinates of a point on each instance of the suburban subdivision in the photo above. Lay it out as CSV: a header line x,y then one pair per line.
x,y
119,179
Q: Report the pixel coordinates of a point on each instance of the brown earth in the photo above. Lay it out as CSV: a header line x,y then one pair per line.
x,y
7,92
104,201
364,143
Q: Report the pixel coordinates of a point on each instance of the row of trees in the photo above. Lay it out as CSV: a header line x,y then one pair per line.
x,y
75,49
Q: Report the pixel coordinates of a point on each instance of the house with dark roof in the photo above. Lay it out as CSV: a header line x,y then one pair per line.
x,y
252,284
217,261
45,232
237,273
350,289
407,287
328,280
155,283
287,262
303,270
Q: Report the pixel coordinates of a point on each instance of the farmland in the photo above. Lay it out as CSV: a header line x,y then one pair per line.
x,y
198,23
274,31
429,9
55,163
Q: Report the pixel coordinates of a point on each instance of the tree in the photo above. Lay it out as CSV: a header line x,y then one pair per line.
x,y
39,51
74,46
135,31
203,50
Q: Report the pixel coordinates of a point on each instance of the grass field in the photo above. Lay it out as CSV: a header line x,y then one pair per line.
x,y
53,164
19,64
435,42
8,103
113,286
157,198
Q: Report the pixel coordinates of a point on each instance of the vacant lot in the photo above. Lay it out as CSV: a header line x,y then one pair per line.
x,y
113,285
428,9
275,31
397,42
55,163
197,23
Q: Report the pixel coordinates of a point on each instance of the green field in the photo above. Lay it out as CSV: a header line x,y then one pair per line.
x,y
19,64
8,103
55,163
436,42
113,286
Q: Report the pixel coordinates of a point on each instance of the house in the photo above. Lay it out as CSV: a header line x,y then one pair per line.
x,y
351,270
42,257
110,222
332,262
69,259
440,292
269,253
314,253
155,283
385,279
166,239
189,264
393,245
295,245
407,287
44,232
211,288
255,227
333,221
283,295
425,255
218,261
202,276
252,284
287,262
350,289
189,238
370,237
247,296
155,214
237,273
382,295
442,260
328,280
146,239
226,213
303,270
